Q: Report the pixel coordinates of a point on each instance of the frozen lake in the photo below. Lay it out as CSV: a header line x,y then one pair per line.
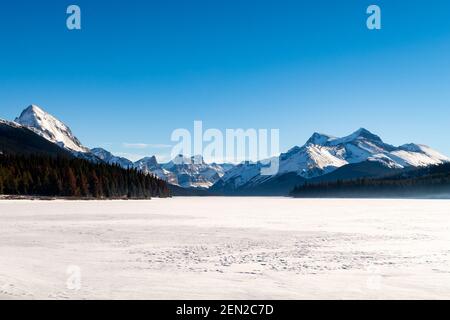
x,y
225,248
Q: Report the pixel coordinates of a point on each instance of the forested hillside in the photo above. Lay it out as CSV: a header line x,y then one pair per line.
x,y
433,181
77,178
15,139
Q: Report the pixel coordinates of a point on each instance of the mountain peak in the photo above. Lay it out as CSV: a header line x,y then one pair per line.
x,y
29,113
50,128
148,164
151,160
108,157
32,111
319,138
322,139
362,130
360,134
414,147
34,107
181,160
198,159
364,133
101,151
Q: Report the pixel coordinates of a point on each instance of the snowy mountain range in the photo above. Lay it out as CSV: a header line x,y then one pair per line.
x,y
180,171
194,172
108,157
323,154
151,165
361,153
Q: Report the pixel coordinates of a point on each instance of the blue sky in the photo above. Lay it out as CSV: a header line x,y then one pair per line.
x,y
138,70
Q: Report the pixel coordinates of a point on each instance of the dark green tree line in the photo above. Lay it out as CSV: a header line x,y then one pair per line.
x,y
433,180
47,176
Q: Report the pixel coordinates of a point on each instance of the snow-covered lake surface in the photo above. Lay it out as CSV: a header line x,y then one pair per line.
x,y
225,248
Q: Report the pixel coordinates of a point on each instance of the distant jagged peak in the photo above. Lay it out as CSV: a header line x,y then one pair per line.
x,y
322,139
110,158
180,159
101,151
184,160
150,161
360,134
198,159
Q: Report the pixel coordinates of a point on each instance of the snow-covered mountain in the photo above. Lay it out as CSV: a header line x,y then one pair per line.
x,y
320,156
323,154
194,172
19,140
151,165
108,157
181,171
50,128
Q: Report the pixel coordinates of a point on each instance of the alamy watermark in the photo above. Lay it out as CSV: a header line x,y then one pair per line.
x,y
73,281
235,145
73,21
374,19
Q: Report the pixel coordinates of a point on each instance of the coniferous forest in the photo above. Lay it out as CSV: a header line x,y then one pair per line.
x,y
75,178
433,181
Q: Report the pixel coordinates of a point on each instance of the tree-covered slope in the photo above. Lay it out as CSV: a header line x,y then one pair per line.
x,y
77,178
433,181
16,139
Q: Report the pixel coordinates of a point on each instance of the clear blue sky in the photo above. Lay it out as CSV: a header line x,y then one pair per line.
x,y
139,69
